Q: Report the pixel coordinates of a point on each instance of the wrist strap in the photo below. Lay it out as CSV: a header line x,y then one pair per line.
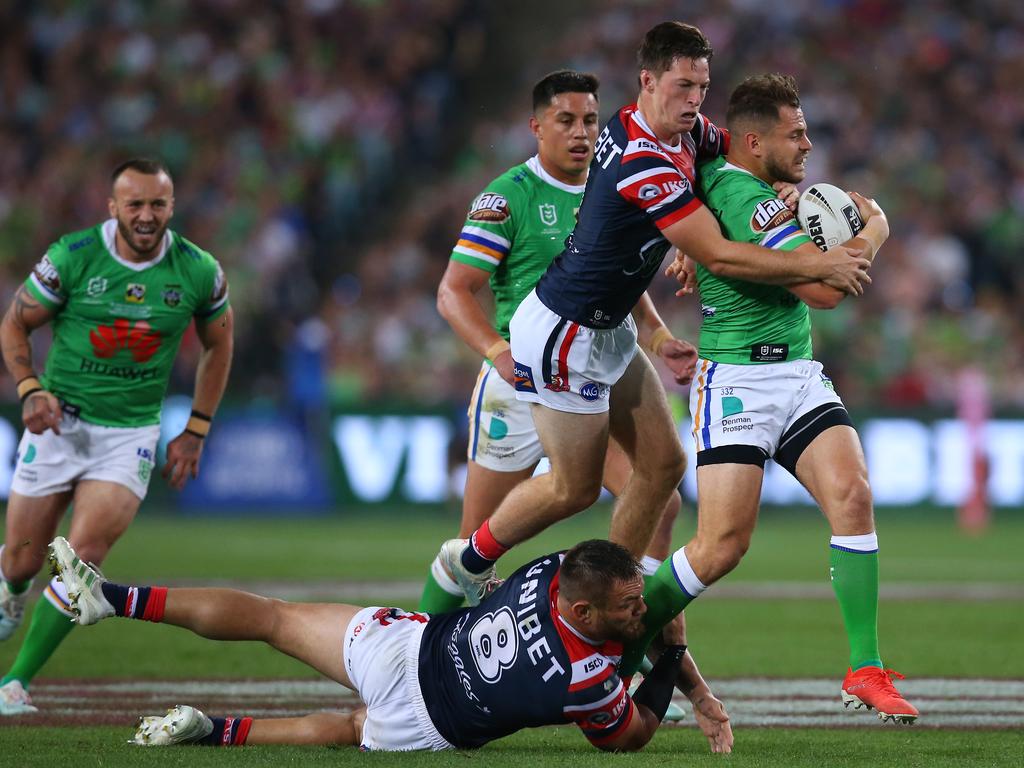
x,y
661,335
496,349
198,424
28,386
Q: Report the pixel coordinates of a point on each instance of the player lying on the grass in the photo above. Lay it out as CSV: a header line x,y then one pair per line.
x,y
543,650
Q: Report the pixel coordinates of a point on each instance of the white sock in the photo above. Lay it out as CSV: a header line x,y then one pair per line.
x,y
649,565
686,575
444,581
57,595
865,542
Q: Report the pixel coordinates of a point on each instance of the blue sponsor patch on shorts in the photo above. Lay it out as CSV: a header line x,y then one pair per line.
x,y
524,378
590,391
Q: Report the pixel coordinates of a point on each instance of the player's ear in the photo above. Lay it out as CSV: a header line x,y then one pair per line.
x,y
112,207
535,127
582,611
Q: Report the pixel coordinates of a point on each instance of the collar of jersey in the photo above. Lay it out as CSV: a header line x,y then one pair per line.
x,y
110,230
538,170
576,632
639,119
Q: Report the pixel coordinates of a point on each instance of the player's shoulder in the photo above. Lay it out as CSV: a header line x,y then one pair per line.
x,y
718,177
190,254
496,202
80,242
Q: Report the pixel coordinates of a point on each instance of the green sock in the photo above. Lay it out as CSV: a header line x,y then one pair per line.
x,y
48,629
436,599
855,581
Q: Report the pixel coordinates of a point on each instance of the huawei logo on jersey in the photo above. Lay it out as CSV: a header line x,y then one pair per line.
x,y
139,338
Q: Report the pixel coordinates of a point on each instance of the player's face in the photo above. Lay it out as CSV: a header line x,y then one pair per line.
x,y
672,99
787,146
622,616
143,204
566,131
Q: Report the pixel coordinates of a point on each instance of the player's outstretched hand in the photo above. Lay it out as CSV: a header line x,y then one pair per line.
x,y
846,269
681,358
40,412
787,193
183,454
713,720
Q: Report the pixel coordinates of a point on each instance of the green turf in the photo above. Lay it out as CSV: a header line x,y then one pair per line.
x,y
729,637
551,747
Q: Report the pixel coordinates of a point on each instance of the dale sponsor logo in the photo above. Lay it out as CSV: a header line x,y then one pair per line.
x,y
139,338
769,214
490,207
47,274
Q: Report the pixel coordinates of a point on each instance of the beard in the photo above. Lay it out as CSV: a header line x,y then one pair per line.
x,y
130,237
791,174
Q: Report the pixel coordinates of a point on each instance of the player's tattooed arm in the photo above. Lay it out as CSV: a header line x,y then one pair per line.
x,y
23,316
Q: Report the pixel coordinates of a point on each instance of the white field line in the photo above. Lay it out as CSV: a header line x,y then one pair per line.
x,y
752,702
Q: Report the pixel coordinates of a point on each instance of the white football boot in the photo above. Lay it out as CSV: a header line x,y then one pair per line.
x,y
181,725
84,585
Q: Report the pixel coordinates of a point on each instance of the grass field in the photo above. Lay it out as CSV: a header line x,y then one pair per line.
x,y
952,608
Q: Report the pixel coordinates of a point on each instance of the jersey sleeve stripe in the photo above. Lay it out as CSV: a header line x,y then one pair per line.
x,y
668,200
605,735
579,682
780,234
486,237
658,170
476,252
678,215
213,308
44,292
616,692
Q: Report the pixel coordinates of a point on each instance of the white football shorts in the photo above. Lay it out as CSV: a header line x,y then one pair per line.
x,y
564,365
382,651
502,436
773,407
49,463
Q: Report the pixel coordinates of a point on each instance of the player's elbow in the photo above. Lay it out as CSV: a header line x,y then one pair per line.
x,y
826,299
445,301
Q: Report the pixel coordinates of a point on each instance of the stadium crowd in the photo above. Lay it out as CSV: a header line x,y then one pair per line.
x,y
327,151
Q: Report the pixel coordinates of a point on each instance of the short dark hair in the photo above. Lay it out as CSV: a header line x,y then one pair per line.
x,y
669,41
563,81
760,97
147,165
592,568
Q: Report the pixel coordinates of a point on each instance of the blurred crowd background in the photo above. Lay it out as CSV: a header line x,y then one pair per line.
x,y
326,152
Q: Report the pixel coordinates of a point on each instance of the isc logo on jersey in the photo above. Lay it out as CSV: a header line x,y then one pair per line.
x,y
769,214
489,207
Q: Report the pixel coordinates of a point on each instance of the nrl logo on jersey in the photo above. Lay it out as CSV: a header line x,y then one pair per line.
x,y
135,293
769,214
489,207
548,214
96,286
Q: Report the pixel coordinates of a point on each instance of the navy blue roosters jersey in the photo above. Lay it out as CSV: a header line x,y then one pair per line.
x,y
513,662
637,187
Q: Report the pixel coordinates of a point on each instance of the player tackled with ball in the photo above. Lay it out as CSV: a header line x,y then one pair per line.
x,y
759,393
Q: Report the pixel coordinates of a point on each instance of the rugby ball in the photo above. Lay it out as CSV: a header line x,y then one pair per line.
x,y
828,215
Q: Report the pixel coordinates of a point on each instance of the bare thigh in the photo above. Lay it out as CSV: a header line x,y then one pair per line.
x,y
833,470
102,512
314,633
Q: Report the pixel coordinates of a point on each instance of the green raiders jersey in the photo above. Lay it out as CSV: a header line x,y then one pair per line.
x,y
514,230
117,324
750,322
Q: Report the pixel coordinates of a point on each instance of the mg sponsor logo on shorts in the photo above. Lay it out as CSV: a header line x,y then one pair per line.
x,y
592,391
523,377
139,338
